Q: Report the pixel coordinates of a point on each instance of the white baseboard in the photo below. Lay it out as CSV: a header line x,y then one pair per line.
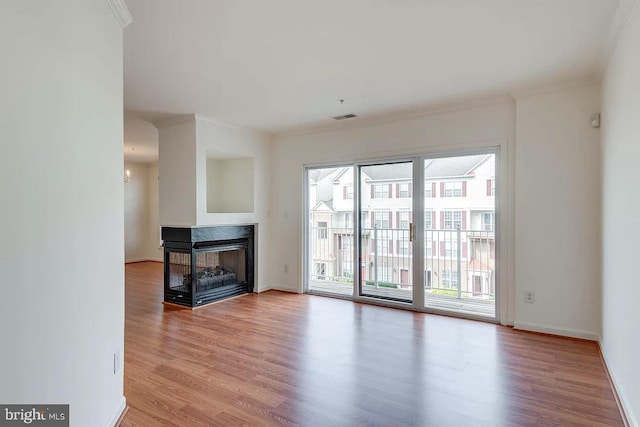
x,y
546,329
113,419
278,288
627,414
129,261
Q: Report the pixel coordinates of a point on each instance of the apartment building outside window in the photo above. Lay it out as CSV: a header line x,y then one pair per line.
x,y
450,278
348,191
381,220
381,191
403,190
403,220
428,223
488,221
348,219
452,220
453,189
429,248
322,230
491,187
403,246
383,274
428,191
450,249
383,246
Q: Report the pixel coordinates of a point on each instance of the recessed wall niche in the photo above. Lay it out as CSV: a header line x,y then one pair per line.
x,y
229,183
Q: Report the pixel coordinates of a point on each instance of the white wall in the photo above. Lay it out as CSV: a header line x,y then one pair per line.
x,y
136,212
225,140
456,129
176,164
140,139
61,173
141,213
621,216
154,250
558,212
185,145
230,185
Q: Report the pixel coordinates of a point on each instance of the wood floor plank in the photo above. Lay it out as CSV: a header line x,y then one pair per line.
x,y
279,359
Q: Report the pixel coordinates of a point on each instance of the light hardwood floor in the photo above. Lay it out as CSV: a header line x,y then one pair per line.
x,y
287,359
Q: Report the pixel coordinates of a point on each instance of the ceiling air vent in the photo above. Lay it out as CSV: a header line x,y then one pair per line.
x,y
346,116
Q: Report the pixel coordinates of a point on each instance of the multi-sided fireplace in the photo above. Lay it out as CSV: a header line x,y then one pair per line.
x,y
207,264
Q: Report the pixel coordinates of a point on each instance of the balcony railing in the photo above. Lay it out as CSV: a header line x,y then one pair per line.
x,y
458,263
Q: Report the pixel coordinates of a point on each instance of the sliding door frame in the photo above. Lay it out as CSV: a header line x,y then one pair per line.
x,y
357,166
503,225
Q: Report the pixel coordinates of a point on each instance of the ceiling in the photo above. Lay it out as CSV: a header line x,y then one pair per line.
x,y
280,65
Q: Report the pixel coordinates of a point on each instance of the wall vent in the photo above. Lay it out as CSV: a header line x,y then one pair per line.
x,y
346,116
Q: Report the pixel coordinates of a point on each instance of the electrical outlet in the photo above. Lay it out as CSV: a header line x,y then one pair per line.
x,y
529,297
117,362
286,268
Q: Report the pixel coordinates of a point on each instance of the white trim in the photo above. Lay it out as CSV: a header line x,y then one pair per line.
x,y
121,12
279,288
445,106
616,29
553,87
499,148
143,260
552,330
624,401
115,415
175,121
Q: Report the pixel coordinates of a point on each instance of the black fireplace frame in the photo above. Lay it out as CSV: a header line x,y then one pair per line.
x,y
194,240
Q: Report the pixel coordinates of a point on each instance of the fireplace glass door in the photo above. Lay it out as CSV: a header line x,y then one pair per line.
x,y
219,268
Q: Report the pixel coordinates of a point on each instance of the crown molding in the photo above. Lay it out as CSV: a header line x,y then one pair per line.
x,y
175,121
553,87
616,29
121,12
201,118
390,117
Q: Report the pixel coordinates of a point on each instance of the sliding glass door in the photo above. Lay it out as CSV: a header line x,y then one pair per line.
x,y
386,212
460,234
330,230
441,259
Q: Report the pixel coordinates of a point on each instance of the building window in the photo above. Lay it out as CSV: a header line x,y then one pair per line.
x,y
491,187
452,220
348,220
428,220
488,221
347,269
381,191
322,230
347,244
403,191
453,189
450,249
450,279
383,274
477,285
382,246
403,246
403,220
429,248
382,220
348,191
320,270
428,193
